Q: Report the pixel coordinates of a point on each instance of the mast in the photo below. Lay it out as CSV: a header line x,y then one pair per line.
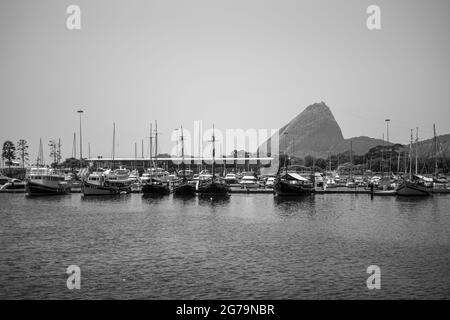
x,y
213,155
59,150
351,157
382,156
114,144
410,155
183,165
417,146
135,155
156,144
150,164
436,170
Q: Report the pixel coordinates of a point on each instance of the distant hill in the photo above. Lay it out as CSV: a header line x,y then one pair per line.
x,y
315,132
360,145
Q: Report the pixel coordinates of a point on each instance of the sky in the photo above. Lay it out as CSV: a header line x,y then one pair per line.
x,y
235,64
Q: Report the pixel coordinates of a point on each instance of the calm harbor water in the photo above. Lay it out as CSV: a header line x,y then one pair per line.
x,y
247,246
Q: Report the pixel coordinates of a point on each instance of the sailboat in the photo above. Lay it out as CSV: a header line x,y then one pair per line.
x,y
155,185
184,188
291,184
414,186
213,186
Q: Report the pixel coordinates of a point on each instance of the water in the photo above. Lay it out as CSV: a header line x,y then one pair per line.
x,y
247,247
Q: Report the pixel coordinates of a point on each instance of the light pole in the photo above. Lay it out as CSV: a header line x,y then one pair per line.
x,y
387,139
81,140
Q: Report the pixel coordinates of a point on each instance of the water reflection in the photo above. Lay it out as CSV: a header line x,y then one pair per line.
x,y
107,198
289,205
214,200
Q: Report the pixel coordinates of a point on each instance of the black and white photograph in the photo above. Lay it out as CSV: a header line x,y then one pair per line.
x,y
224,150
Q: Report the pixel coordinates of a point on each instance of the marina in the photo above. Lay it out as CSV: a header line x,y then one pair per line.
x,y
222,150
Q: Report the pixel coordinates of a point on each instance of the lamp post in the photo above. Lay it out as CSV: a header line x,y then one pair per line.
x,y
81,139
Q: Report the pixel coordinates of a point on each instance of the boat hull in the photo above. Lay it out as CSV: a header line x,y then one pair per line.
x,y
184,189
412,189
385,192
155,189
283,188
211,188
90,189
37,189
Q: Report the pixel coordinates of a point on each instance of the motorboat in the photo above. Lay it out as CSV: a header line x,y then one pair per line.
x,y
13,186
230,178
248,182
104,183
45,181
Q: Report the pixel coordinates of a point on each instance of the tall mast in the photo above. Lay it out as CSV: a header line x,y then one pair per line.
x,y
417,146
351,157
156,144
150,164
382,155
410,155
200,148
114,144
183,166
213,155
135,155
435,151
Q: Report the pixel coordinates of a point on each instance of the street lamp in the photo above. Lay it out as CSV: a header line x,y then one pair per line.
x,y
81,139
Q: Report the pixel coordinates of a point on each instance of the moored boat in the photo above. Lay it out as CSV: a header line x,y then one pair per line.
x,y
45,181
292,184
413,188
101,183
212,186
13,186
183,187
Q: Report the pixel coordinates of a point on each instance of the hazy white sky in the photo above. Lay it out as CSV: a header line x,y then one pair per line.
x,y
238,64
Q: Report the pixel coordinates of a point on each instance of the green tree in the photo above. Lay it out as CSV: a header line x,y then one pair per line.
x,y
22,151
9,152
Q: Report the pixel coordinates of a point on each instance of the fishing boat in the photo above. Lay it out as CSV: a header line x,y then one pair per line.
x,y
156,183
212,186
183,187
45,181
